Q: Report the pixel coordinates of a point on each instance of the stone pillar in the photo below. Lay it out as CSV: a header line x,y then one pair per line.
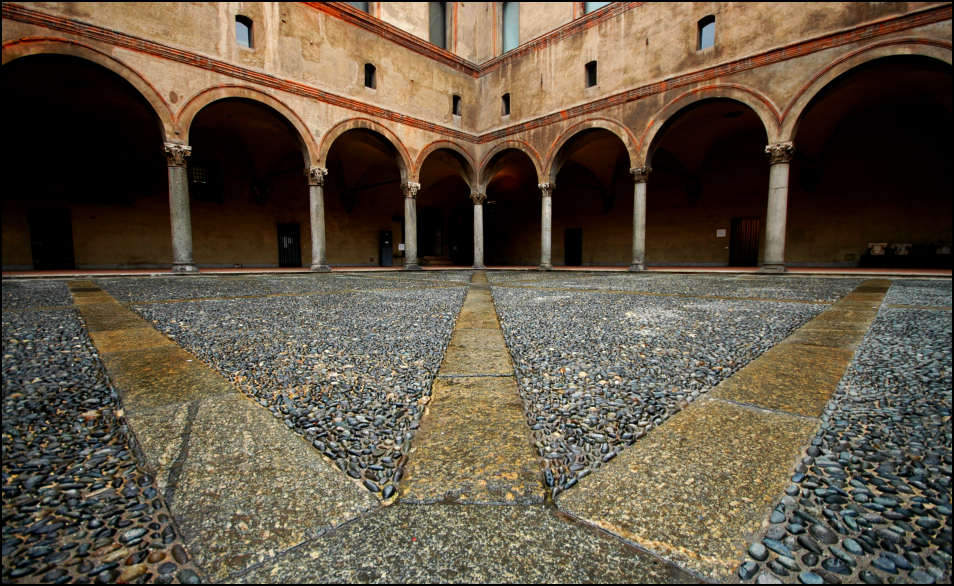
x,y
780,155
478,199
641,175
179,214
410,225
546,225
316,198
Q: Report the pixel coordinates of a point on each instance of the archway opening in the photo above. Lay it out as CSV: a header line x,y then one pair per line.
x,y
707,192
593,201
247,188
512,210
364,204
85,174
445,215
870,182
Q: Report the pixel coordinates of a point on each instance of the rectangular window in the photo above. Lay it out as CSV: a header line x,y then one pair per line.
x,y
455,108
362,6
589,7
370,75
511,25
591,74
243,31
438,22
706,32
505,102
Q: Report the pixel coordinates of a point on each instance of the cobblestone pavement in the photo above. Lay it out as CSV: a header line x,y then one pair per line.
x,y
347,361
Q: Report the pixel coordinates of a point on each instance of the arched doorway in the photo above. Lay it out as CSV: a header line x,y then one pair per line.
x,y
512,210
445,216
706,199
364,203
871,178
592,201
85,173
247,187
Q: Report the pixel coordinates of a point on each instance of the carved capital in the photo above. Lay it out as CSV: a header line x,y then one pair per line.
x,y
410,189
781,152
176,154
546,189
316,175
478,198
641,174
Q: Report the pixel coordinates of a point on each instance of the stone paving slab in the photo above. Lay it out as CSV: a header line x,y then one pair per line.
x,y
480,351
694,488
473,446
465,544
240,484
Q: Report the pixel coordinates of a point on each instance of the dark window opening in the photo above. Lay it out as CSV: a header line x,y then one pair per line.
x,y
438,22
456,106
243,31
706,32
362,6
370,76
505,99
591,74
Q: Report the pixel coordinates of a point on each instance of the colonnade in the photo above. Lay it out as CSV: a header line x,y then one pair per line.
x,y
779,154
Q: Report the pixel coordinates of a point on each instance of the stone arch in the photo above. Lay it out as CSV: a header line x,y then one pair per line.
x,y
519,145
39,46
403,159
761,105
622,132
437,145
795,109
191,109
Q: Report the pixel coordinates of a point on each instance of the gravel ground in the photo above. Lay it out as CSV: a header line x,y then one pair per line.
x,y
598,370
77,504
349,371
870,500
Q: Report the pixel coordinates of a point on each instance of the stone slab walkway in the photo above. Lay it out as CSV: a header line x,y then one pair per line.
x,y
699,485
473,445
240,485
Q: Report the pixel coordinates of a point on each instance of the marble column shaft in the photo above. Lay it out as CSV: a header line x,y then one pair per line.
x,y
410,225
179,214
478,199
316,199
641,175
546,225
780,156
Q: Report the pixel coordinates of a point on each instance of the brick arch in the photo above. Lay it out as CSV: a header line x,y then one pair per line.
x,y
403,159
437,145
761,105
17,49
623,133
519,145
191,109
795,109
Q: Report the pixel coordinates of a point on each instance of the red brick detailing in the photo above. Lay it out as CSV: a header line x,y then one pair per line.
x,y
860,33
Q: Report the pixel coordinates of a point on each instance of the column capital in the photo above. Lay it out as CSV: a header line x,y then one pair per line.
x,y
316,175
781,152
176,153
410,189
641,174
478,198
546,189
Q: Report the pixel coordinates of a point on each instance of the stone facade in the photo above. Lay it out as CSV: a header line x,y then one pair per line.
x,y
336,128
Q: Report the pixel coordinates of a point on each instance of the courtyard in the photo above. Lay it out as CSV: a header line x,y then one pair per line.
x,y
477,426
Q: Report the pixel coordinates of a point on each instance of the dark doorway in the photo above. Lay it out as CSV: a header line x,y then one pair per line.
x,y
573,247
51,239
289,245
744,243
430,231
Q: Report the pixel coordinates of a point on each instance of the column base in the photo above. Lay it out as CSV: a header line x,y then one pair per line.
x,y
184,268
545,268
413,267
772,268
478,267
637,267
320,269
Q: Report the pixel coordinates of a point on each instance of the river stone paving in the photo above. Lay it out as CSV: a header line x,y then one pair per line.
x,y
349,370
870,501
78,504
599,368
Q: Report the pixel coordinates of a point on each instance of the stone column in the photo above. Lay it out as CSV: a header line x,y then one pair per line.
x,y
478,199
179,214
546,225
641,175
410,225
316,198
780,155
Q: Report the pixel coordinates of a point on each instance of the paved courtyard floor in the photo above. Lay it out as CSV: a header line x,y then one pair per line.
x,y
477,426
